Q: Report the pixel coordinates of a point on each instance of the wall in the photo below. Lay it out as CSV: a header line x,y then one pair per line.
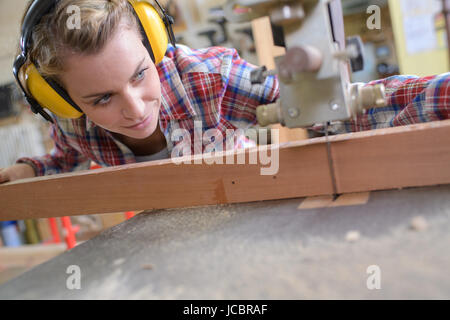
x,y
10,15
427,62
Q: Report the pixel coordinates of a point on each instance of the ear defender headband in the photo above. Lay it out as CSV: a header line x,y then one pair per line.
x,y
46,93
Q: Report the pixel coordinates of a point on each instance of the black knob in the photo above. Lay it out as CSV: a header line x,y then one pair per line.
x,y
356,62
258,75
210,34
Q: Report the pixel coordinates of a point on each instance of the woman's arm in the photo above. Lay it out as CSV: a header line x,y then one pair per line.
x,y
241,96
410,99
16,172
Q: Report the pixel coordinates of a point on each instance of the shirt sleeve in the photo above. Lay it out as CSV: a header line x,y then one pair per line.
x,y
410,100
241,97
62,158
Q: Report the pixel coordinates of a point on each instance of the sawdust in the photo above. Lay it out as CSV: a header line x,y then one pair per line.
x,y
265,264
333,269
352,236
118,262
205,219
147,266
418,223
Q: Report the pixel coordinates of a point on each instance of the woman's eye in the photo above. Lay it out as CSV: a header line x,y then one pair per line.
x,y
140,75
103,100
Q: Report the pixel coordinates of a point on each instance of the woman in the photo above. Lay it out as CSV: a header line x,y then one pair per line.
x,y
131,107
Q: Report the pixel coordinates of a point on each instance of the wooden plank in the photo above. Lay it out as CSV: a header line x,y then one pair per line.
x,y
346,199
351,199
415,155
303,171
265,48
316,202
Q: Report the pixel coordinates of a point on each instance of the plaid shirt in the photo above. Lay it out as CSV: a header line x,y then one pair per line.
x,y
211,87
410,99
201,89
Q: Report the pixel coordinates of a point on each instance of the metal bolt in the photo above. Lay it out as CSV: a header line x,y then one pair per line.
x,y
372,96
334,106
293,112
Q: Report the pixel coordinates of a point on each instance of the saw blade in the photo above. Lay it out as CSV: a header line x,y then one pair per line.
x,y
330,162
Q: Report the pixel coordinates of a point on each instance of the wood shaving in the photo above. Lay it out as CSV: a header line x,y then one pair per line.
x,y
352,236
418,223
147,266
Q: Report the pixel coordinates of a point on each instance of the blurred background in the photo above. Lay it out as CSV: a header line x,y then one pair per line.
x,y
412,38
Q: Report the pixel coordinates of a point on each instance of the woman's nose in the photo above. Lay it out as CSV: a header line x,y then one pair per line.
x,y
133,107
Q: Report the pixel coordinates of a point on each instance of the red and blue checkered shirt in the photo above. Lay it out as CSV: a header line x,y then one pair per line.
x,y
201,89
212,87
410,99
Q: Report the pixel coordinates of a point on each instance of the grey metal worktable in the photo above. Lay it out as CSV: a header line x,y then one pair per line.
x,y
260,250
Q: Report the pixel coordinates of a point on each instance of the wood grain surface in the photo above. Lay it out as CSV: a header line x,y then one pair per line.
x,y
415,155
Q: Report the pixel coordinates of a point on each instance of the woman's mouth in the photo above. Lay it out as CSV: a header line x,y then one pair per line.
x,y
141,125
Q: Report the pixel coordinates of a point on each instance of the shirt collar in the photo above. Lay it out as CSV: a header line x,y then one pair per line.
x,y
175,103
89,124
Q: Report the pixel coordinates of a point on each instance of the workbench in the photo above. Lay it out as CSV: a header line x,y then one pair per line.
x,y
261,250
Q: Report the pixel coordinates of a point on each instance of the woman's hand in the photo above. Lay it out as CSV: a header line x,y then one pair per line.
x,y
16,172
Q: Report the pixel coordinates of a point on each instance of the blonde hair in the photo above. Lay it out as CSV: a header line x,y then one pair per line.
x,y
52,39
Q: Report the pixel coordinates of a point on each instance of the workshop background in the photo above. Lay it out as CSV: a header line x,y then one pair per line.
x,y
412,39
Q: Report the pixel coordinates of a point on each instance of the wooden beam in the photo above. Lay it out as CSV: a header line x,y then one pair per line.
x,y
415,155
266,51
164,184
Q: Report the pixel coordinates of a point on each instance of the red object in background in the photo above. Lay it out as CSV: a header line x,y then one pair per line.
x,y
129,214
70,232
95,166
54,229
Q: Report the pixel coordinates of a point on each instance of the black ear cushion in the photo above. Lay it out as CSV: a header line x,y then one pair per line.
x,y
34,14
145,40
63,93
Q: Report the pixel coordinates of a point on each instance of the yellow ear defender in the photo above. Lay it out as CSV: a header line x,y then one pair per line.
x,y
153,27
46,93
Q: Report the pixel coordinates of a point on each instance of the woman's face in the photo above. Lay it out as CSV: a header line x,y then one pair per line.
x,y
117,88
